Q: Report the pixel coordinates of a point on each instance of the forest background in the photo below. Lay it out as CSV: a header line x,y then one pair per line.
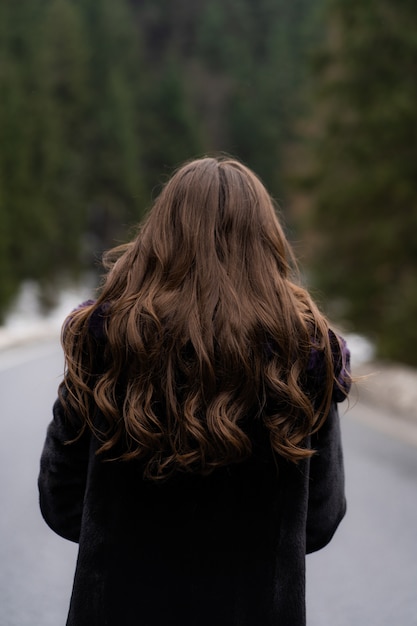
x,y
101,99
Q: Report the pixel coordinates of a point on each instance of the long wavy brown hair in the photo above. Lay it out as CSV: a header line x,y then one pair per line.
x,y
204,332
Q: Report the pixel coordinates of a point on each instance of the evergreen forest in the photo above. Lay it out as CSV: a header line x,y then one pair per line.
x,y
100,100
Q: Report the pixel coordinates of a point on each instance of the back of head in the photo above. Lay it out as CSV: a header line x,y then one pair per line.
x,y
215,215
205,328
211,242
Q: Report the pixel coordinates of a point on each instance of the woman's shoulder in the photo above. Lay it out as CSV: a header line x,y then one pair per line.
x,y
98,313
341,365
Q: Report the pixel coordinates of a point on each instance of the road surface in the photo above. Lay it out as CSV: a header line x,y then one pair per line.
x,y
367,576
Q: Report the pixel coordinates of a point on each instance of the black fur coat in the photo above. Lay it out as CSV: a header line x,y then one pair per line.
x,y
223,550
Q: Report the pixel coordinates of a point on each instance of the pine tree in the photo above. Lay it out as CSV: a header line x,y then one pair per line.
x,y
169,129
253,54
61,141
365,180
116,186
17,91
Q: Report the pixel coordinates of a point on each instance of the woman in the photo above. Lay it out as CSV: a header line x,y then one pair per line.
x,y
195,449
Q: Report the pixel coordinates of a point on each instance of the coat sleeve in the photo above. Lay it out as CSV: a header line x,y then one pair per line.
x,y
326,502
63,475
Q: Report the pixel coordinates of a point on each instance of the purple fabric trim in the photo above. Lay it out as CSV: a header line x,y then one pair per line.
x,y
97,318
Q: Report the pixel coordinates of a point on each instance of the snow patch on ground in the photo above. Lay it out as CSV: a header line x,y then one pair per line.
x,y
391,386
26,323
361,349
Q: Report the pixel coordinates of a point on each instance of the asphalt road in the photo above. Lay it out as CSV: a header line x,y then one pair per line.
x,y
367,576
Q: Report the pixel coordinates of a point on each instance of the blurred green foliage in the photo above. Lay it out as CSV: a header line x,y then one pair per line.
x,y
100,99
363,183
